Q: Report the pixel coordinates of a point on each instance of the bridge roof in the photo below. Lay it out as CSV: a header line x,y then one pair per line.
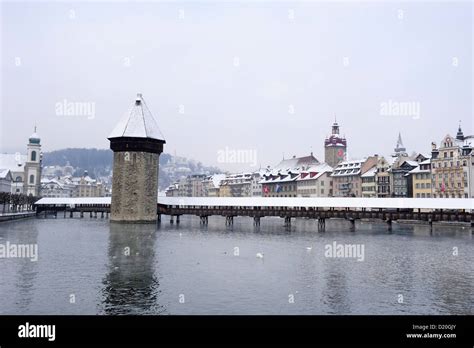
x,y
322,202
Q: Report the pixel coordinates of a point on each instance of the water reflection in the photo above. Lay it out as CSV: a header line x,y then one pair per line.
x,y
335,292
131,286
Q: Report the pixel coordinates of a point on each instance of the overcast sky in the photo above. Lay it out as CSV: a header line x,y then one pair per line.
x,y
267,77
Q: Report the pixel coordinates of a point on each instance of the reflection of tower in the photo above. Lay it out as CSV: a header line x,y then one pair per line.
x,y
137,144
335,147
33,166
400,150
130,286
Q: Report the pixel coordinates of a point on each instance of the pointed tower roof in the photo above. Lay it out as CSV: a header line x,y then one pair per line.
x,y
399,140
399,148
460,134
138,123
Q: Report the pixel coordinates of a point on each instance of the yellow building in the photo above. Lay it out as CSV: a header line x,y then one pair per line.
x,y
421,180
225,189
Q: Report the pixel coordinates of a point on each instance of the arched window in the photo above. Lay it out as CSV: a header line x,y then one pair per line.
x,y
33,155
18,179
32,179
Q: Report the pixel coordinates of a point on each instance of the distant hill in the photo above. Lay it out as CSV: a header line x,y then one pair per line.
x,y
99,163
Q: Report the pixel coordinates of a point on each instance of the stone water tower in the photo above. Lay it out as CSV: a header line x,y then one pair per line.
x,y
137,144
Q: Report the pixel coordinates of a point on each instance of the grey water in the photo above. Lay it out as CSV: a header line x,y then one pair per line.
x,y
90,266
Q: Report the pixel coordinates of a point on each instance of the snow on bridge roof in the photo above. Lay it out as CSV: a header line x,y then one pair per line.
x,y
323,202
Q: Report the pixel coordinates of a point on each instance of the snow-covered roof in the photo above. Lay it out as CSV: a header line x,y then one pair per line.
x,y
314,202
138,123
428,161
347,168
216,179
4,173
412,163
370,173
314,172
296,162
13,162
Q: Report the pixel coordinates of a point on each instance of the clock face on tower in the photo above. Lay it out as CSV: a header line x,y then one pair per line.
x,y
340,154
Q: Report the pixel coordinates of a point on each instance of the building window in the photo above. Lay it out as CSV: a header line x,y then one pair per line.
x,y
33,156
32,178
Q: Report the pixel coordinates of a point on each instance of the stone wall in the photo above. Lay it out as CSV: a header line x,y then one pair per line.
x,y
134,187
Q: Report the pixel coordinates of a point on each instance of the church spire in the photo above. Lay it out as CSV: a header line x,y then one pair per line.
x,y
460,134
399,148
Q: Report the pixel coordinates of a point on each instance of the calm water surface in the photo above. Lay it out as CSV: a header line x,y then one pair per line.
x,y
169,264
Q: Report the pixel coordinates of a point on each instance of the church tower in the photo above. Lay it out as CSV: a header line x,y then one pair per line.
x,y
32,182
335,147
400,150
137,144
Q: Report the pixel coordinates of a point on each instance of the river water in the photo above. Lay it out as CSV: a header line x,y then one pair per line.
x,y
90,266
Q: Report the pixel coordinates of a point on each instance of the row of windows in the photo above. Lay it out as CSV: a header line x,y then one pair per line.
x,y
451,196
423,176
423,185
451,164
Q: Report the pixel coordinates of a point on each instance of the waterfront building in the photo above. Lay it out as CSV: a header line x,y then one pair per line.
x,y
281,180
399,185
368,184
25,169
420,179
191,186
335,147
211,185
452,167
137,144
85,186
172,190
236,185
6,180
382,177
315,181
347,181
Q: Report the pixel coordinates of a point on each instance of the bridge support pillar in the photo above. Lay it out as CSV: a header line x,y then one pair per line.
x,y
158,218
64,213
389,224
106,214
205,219
229,220
321,224
71,214
102,215
95,214
171,219
90,214
82,214
55,214
287,220
177,219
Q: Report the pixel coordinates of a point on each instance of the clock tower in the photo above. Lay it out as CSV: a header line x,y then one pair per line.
x,y
335,146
